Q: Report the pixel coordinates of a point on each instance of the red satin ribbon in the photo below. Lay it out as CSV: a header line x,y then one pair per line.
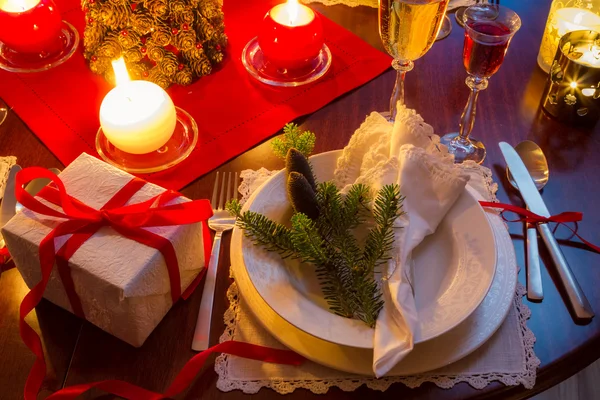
x,y
532,218
187,373
82,221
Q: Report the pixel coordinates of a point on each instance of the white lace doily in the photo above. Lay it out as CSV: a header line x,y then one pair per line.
x,y
5,164
374,3
517,365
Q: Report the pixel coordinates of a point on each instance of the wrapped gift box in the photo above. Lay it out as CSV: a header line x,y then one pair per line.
x,y
123,285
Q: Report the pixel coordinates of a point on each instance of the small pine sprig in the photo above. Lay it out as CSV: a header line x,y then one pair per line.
x,y
333,276
293,137
387,207
262,231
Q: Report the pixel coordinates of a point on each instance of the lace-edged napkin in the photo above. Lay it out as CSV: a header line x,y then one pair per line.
x,y
507,357
408,155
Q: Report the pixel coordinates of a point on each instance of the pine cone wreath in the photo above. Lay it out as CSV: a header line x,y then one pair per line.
x,y
163,41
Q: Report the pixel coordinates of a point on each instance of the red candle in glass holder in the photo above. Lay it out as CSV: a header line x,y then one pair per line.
x,y
291,35
30,26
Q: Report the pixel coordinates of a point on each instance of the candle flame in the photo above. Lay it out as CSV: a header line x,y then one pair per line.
x,y
293,8
121,74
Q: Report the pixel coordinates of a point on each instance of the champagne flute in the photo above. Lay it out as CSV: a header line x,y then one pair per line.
x,y
408,29
488,32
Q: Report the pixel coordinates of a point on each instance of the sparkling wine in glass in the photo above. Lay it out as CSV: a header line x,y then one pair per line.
x,y
408,29
488,32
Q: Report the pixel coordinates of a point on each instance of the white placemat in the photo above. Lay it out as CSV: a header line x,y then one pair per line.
x,y
508,357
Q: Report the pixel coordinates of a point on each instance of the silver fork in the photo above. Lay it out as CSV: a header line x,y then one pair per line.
x,y
220,222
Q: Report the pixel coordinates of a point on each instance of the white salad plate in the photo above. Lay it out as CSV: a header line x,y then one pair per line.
x,y
454,269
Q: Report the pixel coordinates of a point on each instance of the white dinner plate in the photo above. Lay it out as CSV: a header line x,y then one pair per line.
x,y
454,268
439,352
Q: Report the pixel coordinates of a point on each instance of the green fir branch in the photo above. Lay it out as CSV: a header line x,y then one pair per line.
x,y
262,231
294,137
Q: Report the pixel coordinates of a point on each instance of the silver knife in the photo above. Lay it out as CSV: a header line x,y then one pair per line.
x,y
578,301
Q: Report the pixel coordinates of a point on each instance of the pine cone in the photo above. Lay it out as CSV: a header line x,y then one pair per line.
x,y
110,48
93,36
158,78
161,35
142,21
185,17
129,39
210,9
156,53
169,65
115,17
177,6
185,40
302,196
133,56
205,30
201,68
295,161
183,77
157,8
216,57
195,53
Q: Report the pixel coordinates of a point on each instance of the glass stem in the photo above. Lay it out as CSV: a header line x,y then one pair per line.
x,y
401,67
467,119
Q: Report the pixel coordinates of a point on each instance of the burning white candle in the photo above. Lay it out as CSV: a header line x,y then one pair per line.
x,y
137,117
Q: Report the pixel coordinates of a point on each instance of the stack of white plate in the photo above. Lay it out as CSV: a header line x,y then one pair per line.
x,y
465,281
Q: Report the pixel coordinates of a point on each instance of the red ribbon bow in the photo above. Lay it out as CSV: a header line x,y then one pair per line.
x,y
533,218
82,221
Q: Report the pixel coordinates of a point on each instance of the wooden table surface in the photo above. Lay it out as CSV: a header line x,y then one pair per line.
x,y
508,110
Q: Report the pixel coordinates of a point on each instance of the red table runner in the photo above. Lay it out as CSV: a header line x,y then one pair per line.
x,y
233,111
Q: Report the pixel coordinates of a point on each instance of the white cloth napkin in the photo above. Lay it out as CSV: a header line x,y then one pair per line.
x,y
407,154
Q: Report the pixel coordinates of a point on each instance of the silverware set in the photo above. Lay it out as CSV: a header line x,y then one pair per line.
x,y
526,184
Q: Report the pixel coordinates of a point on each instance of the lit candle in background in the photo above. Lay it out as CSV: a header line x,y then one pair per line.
x,y
291,35
561,22
137,117
30,26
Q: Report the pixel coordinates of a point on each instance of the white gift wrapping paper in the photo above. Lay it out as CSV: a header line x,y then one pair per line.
x,y
123,285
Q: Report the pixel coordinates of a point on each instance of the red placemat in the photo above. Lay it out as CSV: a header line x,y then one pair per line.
x,y
233,111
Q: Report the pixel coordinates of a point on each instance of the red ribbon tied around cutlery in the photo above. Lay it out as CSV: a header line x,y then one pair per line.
x,y
533,218
82,221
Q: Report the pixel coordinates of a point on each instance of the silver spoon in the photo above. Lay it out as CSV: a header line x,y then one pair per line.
x,y
537,165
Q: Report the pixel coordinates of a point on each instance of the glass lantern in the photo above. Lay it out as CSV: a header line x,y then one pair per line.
x,y
567,16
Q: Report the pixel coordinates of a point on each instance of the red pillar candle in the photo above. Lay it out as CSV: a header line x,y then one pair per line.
x,y
30,26
291,35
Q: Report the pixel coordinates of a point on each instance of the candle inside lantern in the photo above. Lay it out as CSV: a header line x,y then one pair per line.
x,y
30,26
561,22
291,35
137,117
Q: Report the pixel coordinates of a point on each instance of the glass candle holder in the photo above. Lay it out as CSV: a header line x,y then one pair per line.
x,y
290,48
566,16
572,92
33,37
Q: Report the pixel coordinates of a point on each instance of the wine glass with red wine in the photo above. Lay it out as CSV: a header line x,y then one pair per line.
x,y
489,29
